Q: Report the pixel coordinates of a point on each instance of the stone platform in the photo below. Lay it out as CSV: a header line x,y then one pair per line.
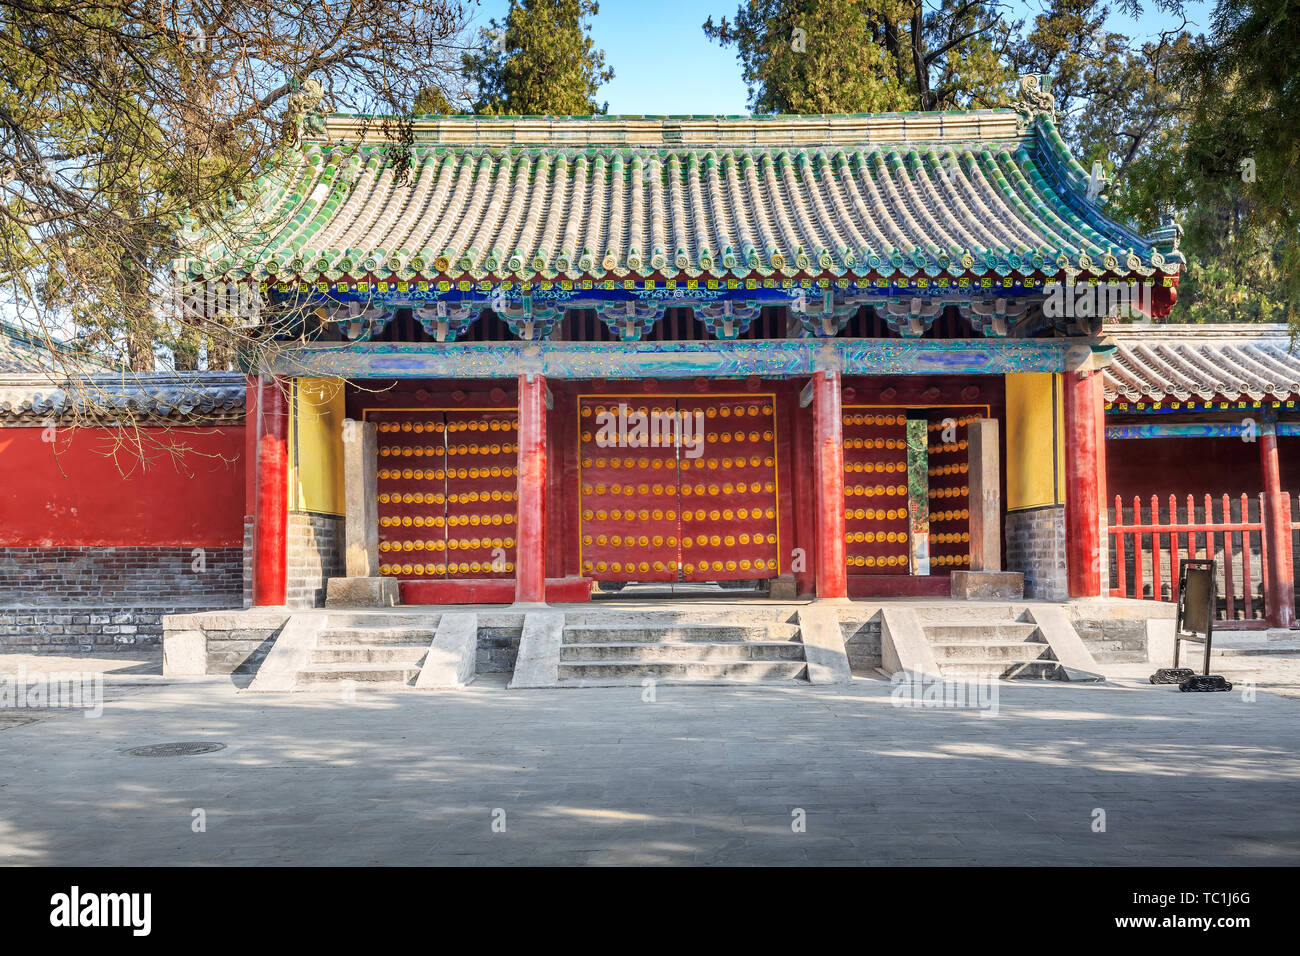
x,y
633,638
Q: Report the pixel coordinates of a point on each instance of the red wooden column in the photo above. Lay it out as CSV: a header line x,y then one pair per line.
x,y
1103,536
805,502
1279,598
530,553
250,453
828,479
271,514
1083,483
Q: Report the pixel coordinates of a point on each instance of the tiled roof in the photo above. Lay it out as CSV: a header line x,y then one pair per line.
x,y
23,351
21,357
984,192
1181,362
206,396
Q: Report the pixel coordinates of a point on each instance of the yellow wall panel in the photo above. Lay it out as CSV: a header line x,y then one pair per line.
x,y
1035,456
316,438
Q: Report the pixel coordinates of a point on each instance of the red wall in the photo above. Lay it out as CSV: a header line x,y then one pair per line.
x,y
1195,466
97,487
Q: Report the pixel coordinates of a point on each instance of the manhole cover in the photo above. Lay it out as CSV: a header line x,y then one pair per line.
x,y
187,749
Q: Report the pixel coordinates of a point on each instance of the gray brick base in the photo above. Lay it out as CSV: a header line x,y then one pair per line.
x,y
83,630
315,554
1036,548
1114,640
248,561
120,576
498,649
862,642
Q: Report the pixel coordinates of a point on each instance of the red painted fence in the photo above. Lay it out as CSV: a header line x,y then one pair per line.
x,y
1148,542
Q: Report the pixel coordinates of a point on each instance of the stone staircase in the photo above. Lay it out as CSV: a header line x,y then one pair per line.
x,y
711,644
376,651
988,643
744,646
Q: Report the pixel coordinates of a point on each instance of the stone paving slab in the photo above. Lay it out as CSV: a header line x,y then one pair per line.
x,y
703,775
1270,673
139,663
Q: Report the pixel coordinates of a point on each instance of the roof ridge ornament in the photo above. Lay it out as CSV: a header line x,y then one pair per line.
x,y
1033,100
1171,231
303,110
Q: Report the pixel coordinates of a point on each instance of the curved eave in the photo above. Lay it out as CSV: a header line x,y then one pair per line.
x,y
1180,363
1070,181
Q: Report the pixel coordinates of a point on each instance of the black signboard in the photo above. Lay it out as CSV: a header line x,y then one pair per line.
x,y
1196,597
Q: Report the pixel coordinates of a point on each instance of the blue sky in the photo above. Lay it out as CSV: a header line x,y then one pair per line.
x,y
663,63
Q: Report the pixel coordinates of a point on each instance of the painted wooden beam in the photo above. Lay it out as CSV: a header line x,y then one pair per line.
x,y
770,358
1200,430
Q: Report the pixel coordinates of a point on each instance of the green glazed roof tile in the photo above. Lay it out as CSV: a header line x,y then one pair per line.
x,y
606,196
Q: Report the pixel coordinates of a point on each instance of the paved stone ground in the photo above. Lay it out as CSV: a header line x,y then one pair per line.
x,y
703,775
1271,673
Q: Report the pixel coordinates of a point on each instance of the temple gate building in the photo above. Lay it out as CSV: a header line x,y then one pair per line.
x,y
520,358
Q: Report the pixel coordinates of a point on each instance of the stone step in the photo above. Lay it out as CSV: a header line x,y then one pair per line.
x,y
979,632
968,612
366,619
1002,670
1133,645
1242,650
375,635
500,632
991,651
361,673
365,686
639,682
688,616
683,670
685,651
369,654
247,647
707,633
1118,657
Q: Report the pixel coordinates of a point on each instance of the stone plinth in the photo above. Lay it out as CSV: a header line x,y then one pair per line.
x,y
185,654
987,585
985,496
360,487
782,588
361,592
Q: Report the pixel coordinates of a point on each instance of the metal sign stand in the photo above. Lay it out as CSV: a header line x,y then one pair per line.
x,y
1195,623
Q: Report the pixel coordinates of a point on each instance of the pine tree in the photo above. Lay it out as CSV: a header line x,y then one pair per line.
x,y
858,56
1199,128
1241,153
540,61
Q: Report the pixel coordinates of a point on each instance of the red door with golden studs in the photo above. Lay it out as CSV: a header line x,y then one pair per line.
x,y
447,493
876,517
678,488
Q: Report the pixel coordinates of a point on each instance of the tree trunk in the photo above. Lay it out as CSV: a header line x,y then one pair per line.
x,y
923,91
895,53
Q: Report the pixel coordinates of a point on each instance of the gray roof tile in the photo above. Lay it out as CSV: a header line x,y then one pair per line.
x,y
1155,362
